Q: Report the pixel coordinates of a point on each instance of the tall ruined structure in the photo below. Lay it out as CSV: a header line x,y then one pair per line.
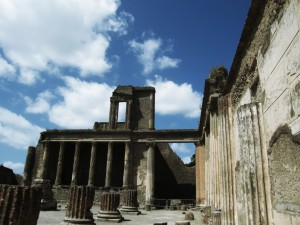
x,y
115,156
248,159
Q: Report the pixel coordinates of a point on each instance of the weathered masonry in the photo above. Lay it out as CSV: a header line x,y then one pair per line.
x,y
248,159
116,155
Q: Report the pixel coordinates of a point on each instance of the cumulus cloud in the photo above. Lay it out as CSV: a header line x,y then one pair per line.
x,y
41,104
16,131
176,99
15,166
6,70
82,104
37,36
149,54
180,148
186,160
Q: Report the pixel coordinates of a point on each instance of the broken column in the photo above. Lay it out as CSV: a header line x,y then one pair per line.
x,y
19,205
27,175
109,203
129,202
47,202
80,203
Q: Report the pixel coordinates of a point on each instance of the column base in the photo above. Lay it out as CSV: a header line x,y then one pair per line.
x,y
109,216
68,221
130,210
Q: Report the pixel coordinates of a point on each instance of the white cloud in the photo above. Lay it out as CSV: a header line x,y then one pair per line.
x,y
82,104
148,54
180,148
41,103
16,167
176,99
6,70
16,131
39,35
186,160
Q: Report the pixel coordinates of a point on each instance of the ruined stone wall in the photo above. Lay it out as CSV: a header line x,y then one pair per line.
x,y
261,141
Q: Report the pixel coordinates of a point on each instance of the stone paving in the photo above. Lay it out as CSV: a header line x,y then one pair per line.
x,y
146,218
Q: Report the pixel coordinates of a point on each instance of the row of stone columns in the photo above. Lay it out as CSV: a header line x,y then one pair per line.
x,y
92,168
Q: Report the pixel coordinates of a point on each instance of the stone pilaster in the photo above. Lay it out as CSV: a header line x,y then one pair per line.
x,y
200,174
129,202
91,180
109,203
76,164
19,205
127,167
60,164
29,164
80,203
109,165
150,177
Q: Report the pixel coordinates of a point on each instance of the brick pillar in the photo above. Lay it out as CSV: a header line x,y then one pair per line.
x,y
80,203
129,202
27,175
60,164
200,174
109,203
19,205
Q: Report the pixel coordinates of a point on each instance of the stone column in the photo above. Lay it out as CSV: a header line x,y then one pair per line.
x,y
91,181
200,174
60,164
109,165
76,164
129,202
80,203
29,164
109,203
19,205
127,162
128,114
44,169
150,173
152,111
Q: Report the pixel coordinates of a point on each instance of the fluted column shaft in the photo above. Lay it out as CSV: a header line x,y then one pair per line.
x,y
76,164
59,170
91,181
109,165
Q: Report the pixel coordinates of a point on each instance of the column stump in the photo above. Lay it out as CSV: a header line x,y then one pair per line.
x,y
182,223
19,204
129,202
79,206
47,202
109,203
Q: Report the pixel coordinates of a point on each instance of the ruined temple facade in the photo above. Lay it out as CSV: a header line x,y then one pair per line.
x,y
115,155
248,159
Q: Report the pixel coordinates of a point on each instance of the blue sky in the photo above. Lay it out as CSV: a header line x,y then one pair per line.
x,y
60,61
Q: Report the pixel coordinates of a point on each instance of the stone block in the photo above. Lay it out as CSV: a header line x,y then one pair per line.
x,y
189,216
